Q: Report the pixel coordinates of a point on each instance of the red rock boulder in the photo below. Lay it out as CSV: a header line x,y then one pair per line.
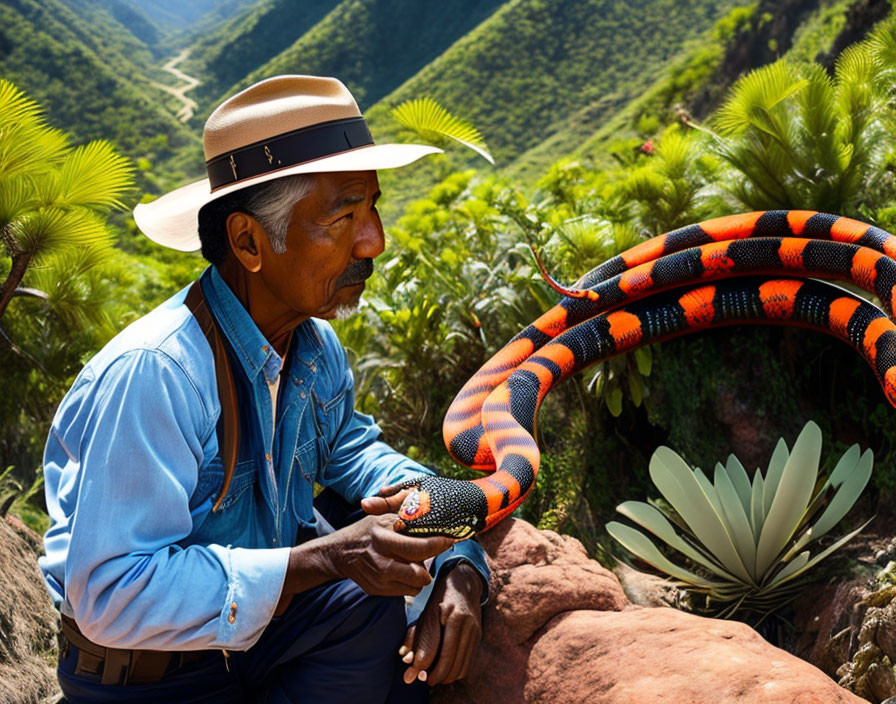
x,y
558,628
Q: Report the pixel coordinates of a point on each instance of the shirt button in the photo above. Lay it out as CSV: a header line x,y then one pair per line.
x,y
302,394
232,617
275,541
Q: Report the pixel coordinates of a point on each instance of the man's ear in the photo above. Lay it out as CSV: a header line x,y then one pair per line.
x,y
244,234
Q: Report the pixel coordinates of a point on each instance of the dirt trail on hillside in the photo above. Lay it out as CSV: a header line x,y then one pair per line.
x,y
189,105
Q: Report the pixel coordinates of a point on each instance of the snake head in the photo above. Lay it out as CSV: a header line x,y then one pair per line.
x,y
440,506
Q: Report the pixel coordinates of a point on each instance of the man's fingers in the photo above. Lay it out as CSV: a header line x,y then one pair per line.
x,y
391,489
398,579
471,650
380,504
449,653
464,652
412,548
426,644
408,645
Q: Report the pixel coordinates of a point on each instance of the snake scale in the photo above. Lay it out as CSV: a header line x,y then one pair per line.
x,y
726,271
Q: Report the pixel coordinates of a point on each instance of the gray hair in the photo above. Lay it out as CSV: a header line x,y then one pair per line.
x,y
272,206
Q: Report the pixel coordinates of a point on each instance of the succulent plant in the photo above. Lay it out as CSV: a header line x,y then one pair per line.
x,y
747,543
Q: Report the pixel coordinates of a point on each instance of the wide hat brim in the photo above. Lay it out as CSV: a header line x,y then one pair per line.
x,y
173,219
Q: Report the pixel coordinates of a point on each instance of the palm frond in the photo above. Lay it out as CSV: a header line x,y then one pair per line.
x,y
77,282
675,151
16,107
754,99
857,98
53,229
16,198
882,44
819,116
92,176
26,143
431,121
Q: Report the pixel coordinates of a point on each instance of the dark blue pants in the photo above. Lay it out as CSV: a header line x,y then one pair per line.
x,y
333,644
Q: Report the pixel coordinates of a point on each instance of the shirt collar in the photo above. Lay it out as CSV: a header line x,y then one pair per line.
x,y
252,349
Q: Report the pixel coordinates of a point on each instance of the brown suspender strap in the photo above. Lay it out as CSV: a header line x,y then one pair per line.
x,y
229,437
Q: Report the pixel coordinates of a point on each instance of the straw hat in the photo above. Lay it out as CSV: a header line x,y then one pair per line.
x,y
279,127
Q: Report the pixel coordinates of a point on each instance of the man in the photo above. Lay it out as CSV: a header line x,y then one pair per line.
x,y
184,552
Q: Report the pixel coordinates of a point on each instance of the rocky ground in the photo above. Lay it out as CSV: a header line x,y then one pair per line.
x,y
561,628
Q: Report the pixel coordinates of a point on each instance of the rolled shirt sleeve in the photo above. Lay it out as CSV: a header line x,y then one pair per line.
x,y
121,463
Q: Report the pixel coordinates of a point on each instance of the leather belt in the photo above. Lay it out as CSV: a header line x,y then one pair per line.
x,y
121,667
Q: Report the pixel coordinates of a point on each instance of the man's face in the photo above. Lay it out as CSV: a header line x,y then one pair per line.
x,y
333,236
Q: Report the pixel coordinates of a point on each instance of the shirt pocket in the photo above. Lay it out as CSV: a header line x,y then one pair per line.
x,y
245,476
305,467
327,417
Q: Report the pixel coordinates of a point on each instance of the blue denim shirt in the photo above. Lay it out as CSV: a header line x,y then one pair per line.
x,y
134,552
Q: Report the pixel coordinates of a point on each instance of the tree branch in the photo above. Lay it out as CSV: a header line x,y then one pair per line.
x,y
16,274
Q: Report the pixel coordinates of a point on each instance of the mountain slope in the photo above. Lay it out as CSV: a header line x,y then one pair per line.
x,y
137,22
373,46
514,84
539,68
177,14
242,44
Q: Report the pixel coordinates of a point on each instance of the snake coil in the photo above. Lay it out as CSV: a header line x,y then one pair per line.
x,y
725,271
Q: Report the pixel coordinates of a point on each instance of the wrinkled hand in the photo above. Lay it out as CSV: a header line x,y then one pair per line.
x,y
381,561
448,630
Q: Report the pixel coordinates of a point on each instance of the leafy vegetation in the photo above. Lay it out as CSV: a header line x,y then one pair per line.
x,y
56,264
744,542
587,108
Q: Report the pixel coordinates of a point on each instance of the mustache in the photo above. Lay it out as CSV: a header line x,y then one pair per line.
x,y
356,272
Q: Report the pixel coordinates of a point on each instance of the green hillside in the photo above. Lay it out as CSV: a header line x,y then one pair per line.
x,y
131,16
373,46
523,91
178,15
93,76
693,84
514,85
224,57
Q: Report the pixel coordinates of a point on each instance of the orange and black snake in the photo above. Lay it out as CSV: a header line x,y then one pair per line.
x,y
635,299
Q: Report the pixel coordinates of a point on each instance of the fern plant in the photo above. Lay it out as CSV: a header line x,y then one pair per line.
x,y
747,544
799,138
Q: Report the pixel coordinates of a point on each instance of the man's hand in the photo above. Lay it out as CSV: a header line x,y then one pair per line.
x,y
369,552
381,561
388,500
448,630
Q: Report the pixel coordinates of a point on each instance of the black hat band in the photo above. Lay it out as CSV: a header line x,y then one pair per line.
x,y
289,149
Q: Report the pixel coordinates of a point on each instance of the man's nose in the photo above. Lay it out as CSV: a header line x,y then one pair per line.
x,y
371,239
